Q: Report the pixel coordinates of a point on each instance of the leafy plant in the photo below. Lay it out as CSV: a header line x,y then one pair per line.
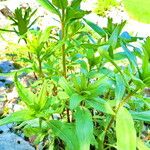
x,y
89,89
22,20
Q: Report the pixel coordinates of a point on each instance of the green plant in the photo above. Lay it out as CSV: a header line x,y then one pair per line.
x,y
89,92
102,6
22,21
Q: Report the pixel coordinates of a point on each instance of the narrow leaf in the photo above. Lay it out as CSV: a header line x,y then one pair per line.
x,y
96,28
143,116
76,3
48,5
125,131
100,105
84,127
42,97
19,116
26,95
120,88
62,4
66,132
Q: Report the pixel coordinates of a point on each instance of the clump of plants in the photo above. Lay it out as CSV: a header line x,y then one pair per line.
x,y
89,88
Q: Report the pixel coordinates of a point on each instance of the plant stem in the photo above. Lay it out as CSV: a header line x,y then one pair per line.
x,y
64,55
30,58
63,46
121,104
40,67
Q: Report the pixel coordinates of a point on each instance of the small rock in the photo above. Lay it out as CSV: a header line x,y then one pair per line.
x,y
4,128
6,66
10,141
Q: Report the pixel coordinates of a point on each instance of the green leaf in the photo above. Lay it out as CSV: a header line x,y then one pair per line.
x,y
141,145
19,116
113,40
131,57
125,131
75,100
96,28
120,88
72,13
20,71
44,36
26,95
84,127
42,97
100,105
49,6
65,85
84,67
62,4
97,83
143,116
66,132
76,3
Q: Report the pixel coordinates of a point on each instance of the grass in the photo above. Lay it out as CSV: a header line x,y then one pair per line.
x,y
138,10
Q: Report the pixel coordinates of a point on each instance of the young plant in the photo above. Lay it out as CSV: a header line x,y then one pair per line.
x,y
94,100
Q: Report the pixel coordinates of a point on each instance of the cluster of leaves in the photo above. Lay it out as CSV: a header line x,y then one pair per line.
x,y
89,88
102,6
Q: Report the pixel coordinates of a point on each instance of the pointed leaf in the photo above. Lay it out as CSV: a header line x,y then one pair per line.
x,y
72,13
84,127
114,36
120,88
76,3
96,28
62,4
48,5
66,132
26,95
100,105
19,116
125,131
42,97
65,85
131,57
143,116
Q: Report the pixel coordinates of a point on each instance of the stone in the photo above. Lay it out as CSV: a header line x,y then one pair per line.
x,y
6,66
4,128
10,141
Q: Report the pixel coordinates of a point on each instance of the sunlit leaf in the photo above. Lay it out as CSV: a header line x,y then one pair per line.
x,y
84,127
25,94
19,116
100,105
96,28
42,97
48,5
62,4
141,145
125,131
